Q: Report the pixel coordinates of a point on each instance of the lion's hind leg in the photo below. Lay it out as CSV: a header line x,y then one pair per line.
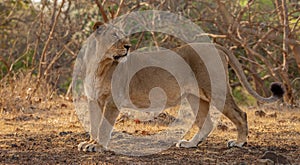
x,y
203,122
239,118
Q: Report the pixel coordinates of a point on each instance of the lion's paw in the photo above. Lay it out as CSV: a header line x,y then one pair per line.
x,y
186,144
90,146
233,143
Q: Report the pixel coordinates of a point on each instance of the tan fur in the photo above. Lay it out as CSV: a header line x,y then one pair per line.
x,y
151,77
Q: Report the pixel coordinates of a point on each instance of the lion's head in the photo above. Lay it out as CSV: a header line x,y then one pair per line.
x,y
110,34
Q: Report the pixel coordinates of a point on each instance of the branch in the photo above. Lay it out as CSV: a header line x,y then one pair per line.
x,y
104,16
286,30
212,35
45,49
119,8
56,57
295,25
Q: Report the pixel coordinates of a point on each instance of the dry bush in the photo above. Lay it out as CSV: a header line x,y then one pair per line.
x,y
39,42
38,47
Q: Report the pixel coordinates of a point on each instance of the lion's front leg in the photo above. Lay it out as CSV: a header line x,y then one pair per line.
x,y
110,114
90,146
95,115
102,121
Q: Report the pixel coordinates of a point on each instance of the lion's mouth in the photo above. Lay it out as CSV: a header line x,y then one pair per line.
x,y
117,57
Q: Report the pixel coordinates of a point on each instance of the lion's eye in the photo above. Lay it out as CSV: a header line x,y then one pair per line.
x,y
115,35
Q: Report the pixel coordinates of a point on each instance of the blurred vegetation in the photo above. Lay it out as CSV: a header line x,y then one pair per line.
x,y
40,41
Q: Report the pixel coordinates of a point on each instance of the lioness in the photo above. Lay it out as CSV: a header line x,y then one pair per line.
x,y
141,85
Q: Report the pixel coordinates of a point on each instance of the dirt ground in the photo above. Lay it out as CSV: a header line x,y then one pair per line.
x,y
51,136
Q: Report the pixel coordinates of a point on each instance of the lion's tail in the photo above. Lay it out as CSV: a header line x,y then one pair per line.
x,y
276,87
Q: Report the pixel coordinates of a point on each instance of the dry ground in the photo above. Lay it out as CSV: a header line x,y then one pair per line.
x,y
51,136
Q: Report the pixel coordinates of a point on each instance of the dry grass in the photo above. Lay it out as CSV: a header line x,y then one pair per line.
x,y
17,94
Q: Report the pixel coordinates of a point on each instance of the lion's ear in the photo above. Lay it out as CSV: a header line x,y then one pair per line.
x,y
97,25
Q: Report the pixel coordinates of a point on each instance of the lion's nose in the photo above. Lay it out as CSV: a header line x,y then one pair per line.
x,y
127,46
